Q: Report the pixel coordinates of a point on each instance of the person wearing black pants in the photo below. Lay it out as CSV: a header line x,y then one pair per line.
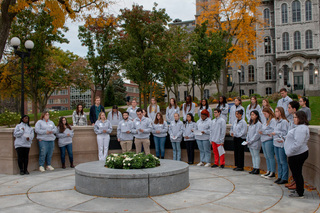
x,y
189,137
239,132
296,148
24,135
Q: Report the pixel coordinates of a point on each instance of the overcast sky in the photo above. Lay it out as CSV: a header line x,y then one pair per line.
x,y
182,9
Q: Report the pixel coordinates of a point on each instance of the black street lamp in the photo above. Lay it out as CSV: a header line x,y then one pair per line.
x,y
239,72
193,68
15,42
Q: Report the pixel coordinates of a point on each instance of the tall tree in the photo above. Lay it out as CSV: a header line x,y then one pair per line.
x,y
60,10
208,50
239,19
139,45
98,34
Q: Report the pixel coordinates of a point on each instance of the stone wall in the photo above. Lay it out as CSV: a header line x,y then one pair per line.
x,y
85,149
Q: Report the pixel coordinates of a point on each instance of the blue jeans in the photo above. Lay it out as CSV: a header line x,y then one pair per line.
x,y
159,143
176,149
283,170
63,153
45,152
268,152
255,154
205,150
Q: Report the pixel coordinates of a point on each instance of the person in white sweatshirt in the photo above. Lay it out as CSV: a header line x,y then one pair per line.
x,y
159,131
189,137
171,110
65,135
153,109
124,133
175,133
204,105
224,107
217,135
296,148
114,116
103,128
24,135
252,106
236,107
188,107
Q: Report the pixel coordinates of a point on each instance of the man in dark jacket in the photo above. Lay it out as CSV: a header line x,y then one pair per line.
x,y
95,110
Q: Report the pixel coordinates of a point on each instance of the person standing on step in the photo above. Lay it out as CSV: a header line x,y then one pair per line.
x,y
24,135
114,116
252,106
204,105
284,101
224,107
159,131
304,103
95,110
124,133
188,107
141,130
175,133
133,109
79,117
189,137
171,110
103,129
236,107
265,104
153,109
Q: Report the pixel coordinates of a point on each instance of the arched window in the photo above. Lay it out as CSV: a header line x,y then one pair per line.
x,y
285,74
266,16
251,91
311,73
284,13
267,45
308,10
309,43
251,73
296,11
268,71
206,94
285,41
268,91
297,40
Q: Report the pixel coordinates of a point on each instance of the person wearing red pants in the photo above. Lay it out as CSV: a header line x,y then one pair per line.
x,y
217,135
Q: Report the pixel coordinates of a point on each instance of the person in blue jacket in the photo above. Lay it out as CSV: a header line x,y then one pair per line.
x,y
95,110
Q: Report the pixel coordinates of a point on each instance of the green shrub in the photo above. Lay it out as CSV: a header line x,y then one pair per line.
x,y
244,97
9,119
275,97
293,96
256,95
232,94
130,160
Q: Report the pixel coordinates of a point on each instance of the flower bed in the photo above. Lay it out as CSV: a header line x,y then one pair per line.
x,y
131,160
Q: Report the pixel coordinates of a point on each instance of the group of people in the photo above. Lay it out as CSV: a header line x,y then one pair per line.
x,y
282,132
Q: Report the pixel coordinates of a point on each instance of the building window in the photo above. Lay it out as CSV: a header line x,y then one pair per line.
x,y
296,11
268,71
266,15
297,40
185,94
285,41
251,91
308,10
267,45
285,74
50,101
309,43
268,91
206,94
284,13
311,72
242,92
251,73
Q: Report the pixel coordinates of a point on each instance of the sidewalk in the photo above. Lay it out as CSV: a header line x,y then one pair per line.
x,y
210,190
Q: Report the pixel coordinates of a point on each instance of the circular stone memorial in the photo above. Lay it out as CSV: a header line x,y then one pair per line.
x,y
93,178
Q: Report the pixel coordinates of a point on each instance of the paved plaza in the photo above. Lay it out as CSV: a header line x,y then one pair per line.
x,y
210,190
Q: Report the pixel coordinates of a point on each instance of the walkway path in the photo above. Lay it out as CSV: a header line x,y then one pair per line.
x,y
210,190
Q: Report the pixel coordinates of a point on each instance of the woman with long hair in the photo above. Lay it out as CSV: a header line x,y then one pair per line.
x,y
171,110
175,133
204,105
265,104
132,110
267,142
252,106
103,128
304,103
45,129
236,107
296,148
280,131
65,135
114,116
253,140
159,131
153,109
24,135
79,117
224,107
188,107
189,137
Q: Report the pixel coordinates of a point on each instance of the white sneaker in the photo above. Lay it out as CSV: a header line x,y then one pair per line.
x,y
41,169
208,165
50,168
200,164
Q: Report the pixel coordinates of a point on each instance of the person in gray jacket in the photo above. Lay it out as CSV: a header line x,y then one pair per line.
x,y
202,136
304,103
224,107
153,109
204,105
171,110
45,130
293,107
175,133
133,109
253,140
296,148
159,131
252,106
284,101
217,135
103,128
114,116
189,137
65,135
79,117
141,130
188,107
236,107
24,135
124,133
239,132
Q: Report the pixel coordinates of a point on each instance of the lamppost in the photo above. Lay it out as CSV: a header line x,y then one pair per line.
x,y
15,42
239,73
193,68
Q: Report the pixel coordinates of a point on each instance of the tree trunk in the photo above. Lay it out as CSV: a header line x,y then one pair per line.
x,y
145,100
6,19
225,79
168,96
140,101
217,85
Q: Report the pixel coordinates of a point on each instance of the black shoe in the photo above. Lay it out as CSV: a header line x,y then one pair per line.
x,y
63,166
252,171
282,182
214,166
278,180
26,172
235,169
238,169
256,172
190,163
21,172
162,157
221,166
